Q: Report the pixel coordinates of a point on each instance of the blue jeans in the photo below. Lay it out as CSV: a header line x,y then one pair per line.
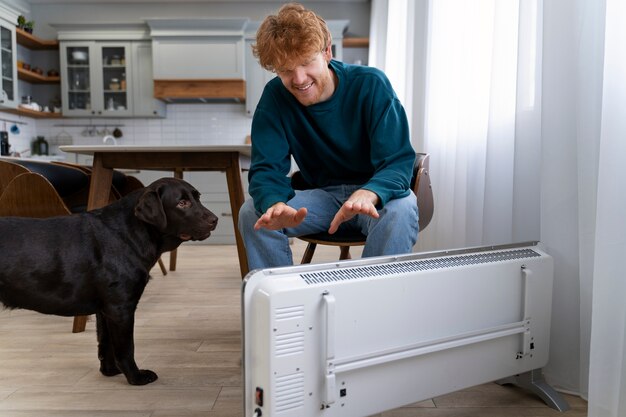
x,y
393,233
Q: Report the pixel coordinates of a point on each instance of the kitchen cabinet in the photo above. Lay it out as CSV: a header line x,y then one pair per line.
x,y
199,59
112,76
95,78
8,83
144,103
256,78
197,49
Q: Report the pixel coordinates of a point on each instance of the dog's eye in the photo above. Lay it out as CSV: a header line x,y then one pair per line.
x,y
184,204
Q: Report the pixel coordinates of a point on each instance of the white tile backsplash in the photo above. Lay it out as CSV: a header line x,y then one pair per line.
x,y
185,124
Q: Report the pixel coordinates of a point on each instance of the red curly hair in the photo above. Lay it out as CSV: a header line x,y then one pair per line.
x,y
293,34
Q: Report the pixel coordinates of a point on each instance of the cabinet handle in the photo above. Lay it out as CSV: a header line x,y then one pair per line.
x,y
227,215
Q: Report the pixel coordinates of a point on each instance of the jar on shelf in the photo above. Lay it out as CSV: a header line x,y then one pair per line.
x,y
123,82
114,84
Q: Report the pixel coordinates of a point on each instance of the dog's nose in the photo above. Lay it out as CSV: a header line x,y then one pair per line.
x,y
211,219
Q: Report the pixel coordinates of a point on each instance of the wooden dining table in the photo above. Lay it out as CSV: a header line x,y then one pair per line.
x,y
228,159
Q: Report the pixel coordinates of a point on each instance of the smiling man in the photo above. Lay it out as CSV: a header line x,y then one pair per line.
x,y
347,132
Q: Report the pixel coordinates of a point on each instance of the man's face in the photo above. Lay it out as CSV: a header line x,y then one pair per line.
x,y
310,80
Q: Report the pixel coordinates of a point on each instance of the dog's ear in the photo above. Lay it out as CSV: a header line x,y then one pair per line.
x,y
150,209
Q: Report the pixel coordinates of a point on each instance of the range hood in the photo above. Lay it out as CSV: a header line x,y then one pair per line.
x,y
200,91
198,60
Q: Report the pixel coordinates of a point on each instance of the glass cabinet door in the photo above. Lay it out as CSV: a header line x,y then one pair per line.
x,y
78,80
8,84
115,98
94,79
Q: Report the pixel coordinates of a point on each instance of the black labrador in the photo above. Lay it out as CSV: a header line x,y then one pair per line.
x,y
98,262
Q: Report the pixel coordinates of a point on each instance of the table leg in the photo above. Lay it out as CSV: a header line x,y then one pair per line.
x,y
178,173
235,192
99,189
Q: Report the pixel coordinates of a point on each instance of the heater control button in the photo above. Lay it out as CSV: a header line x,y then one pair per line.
x,y
258,396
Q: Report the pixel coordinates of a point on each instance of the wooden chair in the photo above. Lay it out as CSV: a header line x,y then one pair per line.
x,y
71,184
8,171
421,186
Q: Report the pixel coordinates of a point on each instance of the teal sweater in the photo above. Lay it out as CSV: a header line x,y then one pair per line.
x,y
359,136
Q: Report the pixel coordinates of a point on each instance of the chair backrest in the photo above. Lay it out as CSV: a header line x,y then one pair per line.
x,y
420,183
31,195
8,171
66,180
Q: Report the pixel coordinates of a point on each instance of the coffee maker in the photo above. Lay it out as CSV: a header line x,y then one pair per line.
x,y
4,143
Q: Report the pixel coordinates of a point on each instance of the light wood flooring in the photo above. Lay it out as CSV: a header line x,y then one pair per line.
x,y
188,331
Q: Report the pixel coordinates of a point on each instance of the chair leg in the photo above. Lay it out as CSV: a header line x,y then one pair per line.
x,y
173,260
162,266
80,322
308,253
345,253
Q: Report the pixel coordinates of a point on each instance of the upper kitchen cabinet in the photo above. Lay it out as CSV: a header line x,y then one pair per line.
x,y
198,59
8,93
95,79
257,77
144,103
106,71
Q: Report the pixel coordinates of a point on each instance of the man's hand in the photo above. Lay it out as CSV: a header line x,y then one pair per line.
x,y
279,216
360,202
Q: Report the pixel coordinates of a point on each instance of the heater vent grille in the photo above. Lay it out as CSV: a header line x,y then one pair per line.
x,y
287,313
289,391
289,343
415,266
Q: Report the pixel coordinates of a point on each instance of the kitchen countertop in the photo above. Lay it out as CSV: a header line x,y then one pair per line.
x,y
43,158
91,149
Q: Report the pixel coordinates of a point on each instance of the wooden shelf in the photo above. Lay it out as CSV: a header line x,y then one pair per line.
x,y
356,42
33,77
33,42
32,113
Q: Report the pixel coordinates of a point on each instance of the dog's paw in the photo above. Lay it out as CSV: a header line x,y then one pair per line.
x,y
143,377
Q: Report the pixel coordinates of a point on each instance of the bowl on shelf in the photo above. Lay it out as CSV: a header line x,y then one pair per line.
x,y
79,56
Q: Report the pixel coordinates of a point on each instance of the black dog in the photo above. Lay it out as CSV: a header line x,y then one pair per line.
x,y
98,262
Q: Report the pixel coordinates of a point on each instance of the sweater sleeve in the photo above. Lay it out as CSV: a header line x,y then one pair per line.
x,y
391,152
270,163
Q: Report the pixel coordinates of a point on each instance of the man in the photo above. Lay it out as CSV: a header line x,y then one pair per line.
x,y
349,136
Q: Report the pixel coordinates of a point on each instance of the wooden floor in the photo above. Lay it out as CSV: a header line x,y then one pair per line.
x,y
188,331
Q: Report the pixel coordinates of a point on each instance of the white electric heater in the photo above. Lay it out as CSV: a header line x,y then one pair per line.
x,y
356,338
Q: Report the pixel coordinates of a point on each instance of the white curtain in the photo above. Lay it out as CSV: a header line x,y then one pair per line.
x,y
522,105
607,374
